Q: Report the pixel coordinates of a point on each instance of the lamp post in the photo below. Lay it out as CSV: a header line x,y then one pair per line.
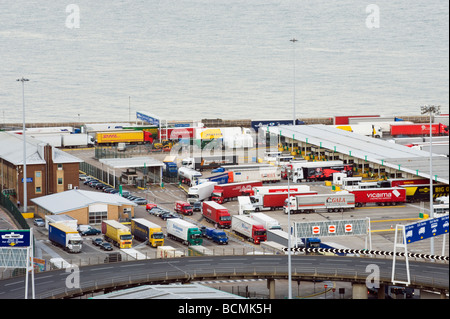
x,y
431,109
25,200
289,237
293,40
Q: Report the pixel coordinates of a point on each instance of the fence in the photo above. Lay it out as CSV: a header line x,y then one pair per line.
x,y
99,174
12,208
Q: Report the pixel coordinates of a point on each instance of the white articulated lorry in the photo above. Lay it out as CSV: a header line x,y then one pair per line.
x,y
200,192
313,203
268,222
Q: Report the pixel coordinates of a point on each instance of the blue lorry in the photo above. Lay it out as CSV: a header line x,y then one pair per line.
x,y
216,235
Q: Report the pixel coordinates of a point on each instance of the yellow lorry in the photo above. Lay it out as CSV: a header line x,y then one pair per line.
x,y
120,137
145,230
118,233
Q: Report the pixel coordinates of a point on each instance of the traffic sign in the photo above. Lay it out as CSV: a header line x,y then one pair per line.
x,y
15,238
348,228
316,230
426,229
332,229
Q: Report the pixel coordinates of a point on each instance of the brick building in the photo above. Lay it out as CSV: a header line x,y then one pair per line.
x,y
49,170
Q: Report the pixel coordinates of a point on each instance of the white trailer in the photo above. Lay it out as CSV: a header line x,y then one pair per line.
x,y
249,228
261,190
184,231
268,222
263,174
200,192
313,203
77,140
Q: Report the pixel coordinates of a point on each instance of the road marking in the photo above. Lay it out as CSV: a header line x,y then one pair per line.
x,y
102,268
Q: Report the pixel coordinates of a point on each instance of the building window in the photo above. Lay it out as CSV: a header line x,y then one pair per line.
x,y
38,190
97,217
38,174
60,181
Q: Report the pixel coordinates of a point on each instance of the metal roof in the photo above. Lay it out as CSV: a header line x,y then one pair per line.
x,y
75,199
131,162
374,150
11,150
175,291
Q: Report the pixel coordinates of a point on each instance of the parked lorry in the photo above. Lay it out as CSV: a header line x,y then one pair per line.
x,y
66,237
216,235
319,171
274,201
394,182
170,169
418,129
268,222
379,196
183,207
200,192
184,231
248,228
216,213
117,233
131,137
188,176
281,237
267,174
421,193
313,203
209,162
245,205
261,190
144,230
225,192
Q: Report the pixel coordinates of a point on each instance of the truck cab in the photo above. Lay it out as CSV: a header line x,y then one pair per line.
x,y
183,208
259,234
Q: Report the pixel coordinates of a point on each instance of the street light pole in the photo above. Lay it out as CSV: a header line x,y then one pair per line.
x,y
289,238
431,109
25,200
293,46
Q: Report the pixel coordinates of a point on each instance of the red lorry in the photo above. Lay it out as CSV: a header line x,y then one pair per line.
x,y
379,196
217,214
183,208
418,129
225,192
274,201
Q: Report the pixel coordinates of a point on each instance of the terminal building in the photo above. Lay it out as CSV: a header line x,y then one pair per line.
x,y
370,156
49,170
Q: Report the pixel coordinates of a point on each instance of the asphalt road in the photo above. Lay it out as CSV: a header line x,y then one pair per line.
x,y
153,270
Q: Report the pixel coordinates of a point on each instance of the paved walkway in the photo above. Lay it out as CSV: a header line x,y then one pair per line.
x,y
6,222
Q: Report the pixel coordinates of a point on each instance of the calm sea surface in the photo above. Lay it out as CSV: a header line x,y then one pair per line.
x,y
181,59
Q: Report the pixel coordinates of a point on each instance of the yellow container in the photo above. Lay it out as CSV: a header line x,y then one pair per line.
x,y
328,183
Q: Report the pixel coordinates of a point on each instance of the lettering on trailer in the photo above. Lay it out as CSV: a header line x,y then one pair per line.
x,y
426,229
14,238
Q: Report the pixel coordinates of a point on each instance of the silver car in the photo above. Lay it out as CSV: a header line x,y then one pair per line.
x,y
39,222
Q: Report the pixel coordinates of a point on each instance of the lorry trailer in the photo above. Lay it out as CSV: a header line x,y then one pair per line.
x,y
129,137
421,193
225,192
268,222
274,201
216,213
379,196
184,231
281,237
313,203
320,171
64,236
267,174
248,228
144,230
117,233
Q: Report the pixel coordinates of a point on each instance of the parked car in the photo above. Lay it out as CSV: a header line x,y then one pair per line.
x,y
157,211
82,177
149,207
88,180
101,186
197,206
106,246
90,231
140,201
97,241
167,215
39,222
